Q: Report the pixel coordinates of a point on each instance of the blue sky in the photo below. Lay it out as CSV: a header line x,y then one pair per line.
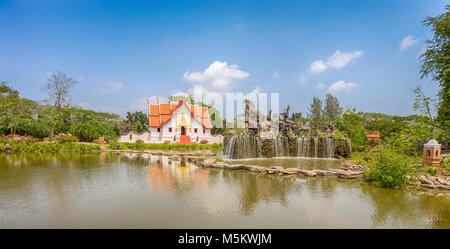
x,y
364,52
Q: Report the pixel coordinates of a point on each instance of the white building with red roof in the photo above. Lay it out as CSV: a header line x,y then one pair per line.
x,y
176,122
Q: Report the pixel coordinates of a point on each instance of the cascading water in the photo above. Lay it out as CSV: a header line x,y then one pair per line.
x,y
242,147
239,146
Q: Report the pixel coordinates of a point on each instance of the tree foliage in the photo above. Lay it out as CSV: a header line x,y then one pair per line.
x,y
138,120
436,62
332,110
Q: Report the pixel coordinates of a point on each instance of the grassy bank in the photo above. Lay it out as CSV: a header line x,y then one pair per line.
x,y
143,146
48,147
19,144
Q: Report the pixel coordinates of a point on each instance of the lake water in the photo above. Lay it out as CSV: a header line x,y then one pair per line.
x,y
143,191
293,162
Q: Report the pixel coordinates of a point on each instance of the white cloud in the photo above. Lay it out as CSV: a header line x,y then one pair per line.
x,y
341,59
341,85
407,42
321,85
338,60
318,66
218,75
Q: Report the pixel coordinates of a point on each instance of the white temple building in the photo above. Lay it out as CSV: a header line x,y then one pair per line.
x,y
176,122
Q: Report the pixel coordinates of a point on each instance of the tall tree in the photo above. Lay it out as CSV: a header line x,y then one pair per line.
x,y
436,62
58,87
139,120
332,110
316,112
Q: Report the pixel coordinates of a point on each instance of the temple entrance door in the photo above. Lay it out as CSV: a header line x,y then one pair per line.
x,y
183,130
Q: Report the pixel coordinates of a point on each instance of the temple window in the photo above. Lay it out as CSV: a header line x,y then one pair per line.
x,y
159,129
195,130
428,153
170,129
204,130
437,153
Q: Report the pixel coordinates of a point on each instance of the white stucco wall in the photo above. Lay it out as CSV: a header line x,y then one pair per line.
x,y
153,136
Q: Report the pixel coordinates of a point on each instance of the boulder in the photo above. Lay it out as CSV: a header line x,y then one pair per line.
x,y
345,173
323,172
442,181
424,180
443,187
274,169
233,166
306,172
290,171
219,165
207,163
255,168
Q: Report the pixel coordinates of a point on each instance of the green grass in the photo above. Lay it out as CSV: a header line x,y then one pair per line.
x,y
49,147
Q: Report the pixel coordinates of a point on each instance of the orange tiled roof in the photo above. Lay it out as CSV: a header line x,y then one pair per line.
x,y
161,114
376,134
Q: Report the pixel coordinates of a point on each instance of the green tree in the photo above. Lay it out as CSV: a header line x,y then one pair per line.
x,y
90,130
332,110
53,119
139,121
436,63
315,113
351,124
296,115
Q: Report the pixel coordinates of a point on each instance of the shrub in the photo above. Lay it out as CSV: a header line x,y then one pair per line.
x,y
114,145
388,168
66,138
203,141
430,170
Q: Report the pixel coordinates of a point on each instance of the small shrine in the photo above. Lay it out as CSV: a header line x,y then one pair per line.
x,y
431,153
374,136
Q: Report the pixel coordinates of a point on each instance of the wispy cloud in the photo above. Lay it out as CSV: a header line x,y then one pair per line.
x,y
338,60
321,85
340,86
111,86
407,42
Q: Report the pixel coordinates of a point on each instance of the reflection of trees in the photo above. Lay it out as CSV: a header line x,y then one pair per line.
x,y
322,187
397,206
256,188
438,208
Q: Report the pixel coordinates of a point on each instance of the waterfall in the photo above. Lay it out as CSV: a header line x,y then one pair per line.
x,y
299,147
316,146
240,146
330,147
306,145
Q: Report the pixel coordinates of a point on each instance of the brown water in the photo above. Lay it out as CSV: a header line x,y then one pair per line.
x,y
143,191
293,162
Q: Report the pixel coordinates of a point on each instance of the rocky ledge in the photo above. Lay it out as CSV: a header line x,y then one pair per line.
x,y
205,162
429,181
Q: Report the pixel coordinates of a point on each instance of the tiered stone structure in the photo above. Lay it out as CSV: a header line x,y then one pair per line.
x,y
431,153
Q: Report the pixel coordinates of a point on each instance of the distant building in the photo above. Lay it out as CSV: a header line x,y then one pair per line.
x,y
375,136
176,122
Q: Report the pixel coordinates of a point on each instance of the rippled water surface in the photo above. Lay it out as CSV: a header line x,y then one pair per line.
x,y
144,191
